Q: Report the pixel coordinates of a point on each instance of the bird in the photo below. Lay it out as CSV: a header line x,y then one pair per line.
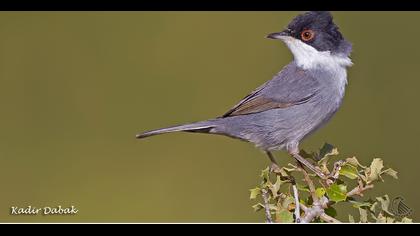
x,y
297,101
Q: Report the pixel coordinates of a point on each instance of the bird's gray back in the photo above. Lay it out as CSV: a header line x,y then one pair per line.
x,y
274,128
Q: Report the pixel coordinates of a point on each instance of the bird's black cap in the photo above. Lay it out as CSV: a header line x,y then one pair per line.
x,y
317,29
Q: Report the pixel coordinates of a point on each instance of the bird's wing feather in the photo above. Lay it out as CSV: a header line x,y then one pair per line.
x,y
291,86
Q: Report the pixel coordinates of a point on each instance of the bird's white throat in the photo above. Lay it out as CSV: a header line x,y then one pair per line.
x,y
307,57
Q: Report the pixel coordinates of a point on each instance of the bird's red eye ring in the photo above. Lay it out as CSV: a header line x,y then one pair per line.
x,y
307,35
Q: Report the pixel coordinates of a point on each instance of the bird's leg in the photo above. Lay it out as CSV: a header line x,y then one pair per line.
x,y
293,150
274,166
306,163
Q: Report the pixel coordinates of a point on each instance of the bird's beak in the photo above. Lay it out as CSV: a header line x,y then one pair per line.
x,y
280,35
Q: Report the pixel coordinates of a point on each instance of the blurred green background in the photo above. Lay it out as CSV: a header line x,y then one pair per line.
x,y
77,86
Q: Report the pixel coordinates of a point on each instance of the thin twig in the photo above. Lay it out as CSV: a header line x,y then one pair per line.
x,y
297,205
359,189
333,176
308,181
268,218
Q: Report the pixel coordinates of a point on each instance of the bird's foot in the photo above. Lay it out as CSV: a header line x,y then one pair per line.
x,y
274,168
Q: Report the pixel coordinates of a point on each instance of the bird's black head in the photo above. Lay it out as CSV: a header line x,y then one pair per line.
x,y
317,29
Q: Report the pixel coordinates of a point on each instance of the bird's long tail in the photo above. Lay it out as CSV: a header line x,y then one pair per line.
x,y
200,127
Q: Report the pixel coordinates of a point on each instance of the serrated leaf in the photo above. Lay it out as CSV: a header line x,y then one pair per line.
x,y
276,187
254,193
406,220
328,150
384,201
375,170
353,161
291,168
350,171
302,188
258,206
265,174
384,219
373,207
320,192
324,155
390,172
284,216
356,204
363,215
351,219
337,193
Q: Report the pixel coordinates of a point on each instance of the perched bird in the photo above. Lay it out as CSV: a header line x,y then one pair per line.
x,y
301,98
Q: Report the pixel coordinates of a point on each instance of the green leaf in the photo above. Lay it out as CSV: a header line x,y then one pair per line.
x,y
349,171
331,211
363,215
324,153
337,193
327,150
284,216
320,192
302,188
375,170
391,173
290,169
265,174
258,207
254,193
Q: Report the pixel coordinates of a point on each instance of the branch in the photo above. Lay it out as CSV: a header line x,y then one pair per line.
x,y
317,209
328,218
297,205
268,218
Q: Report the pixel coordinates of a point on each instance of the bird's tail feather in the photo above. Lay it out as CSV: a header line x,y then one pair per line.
x,y
201,127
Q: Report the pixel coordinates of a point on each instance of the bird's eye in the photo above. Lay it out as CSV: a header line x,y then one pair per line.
x,y
307,35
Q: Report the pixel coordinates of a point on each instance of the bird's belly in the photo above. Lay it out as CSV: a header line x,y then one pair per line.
x,y
294,124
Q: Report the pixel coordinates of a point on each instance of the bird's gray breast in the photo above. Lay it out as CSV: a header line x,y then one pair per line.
x,y
328,99
291,125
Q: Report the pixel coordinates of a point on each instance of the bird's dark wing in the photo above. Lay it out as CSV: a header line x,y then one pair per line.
x,y
292,86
